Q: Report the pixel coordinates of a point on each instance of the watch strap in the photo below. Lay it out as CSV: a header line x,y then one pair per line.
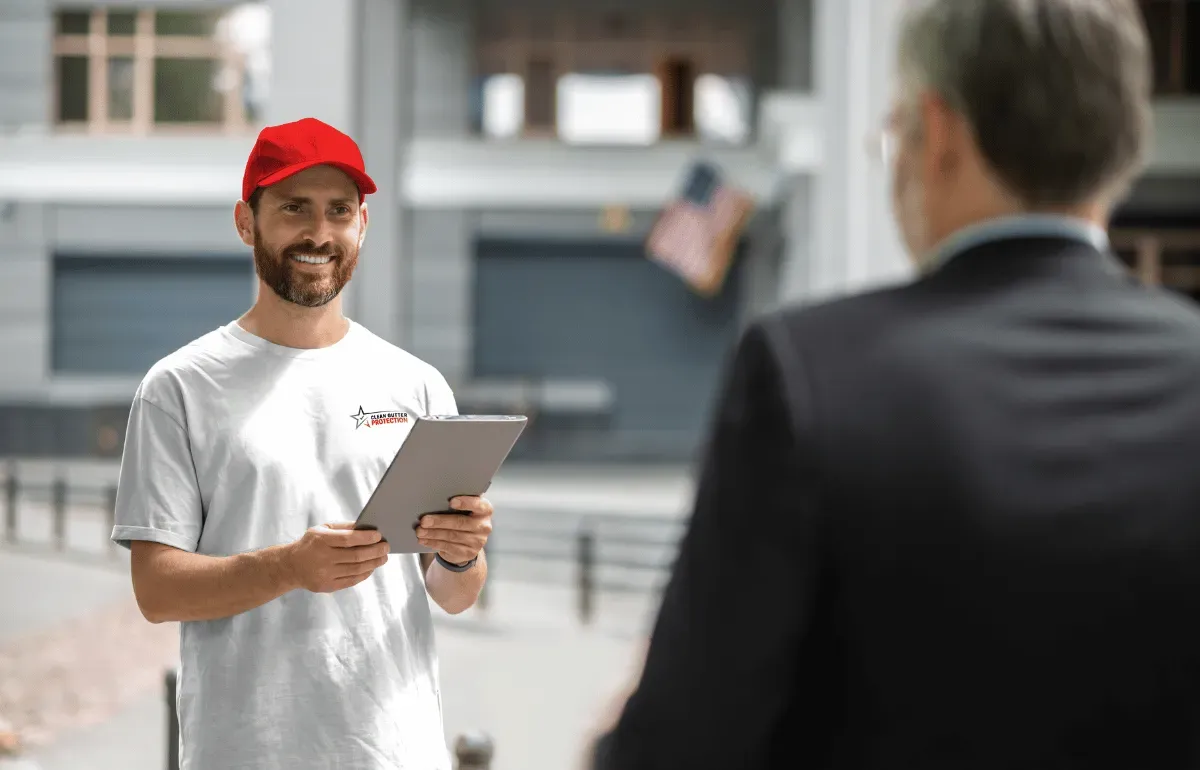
x,y
455,567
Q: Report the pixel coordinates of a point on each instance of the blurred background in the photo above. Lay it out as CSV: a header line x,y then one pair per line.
x,y
581,202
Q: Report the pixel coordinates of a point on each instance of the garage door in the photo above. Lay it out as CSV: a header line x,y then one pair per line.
x,y
118,316
602,313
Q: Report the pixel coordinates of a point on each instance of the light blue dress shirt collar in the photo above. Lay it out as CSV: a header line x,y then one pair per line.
x,y
1019,226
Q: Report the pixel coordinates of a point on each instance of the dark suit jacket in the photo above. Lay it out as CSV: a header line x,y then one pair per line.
x,y
951,525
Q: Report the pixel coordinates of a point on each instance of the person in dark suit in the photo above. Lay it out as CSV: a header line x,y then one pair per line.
x,y
955,524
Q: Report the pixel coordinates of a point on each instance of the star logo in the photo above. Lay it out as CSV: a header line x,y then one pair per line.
x,y
363,418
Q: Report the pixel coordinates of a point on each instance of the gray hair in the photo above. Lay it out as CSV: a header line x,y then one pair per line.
x,y
1056,91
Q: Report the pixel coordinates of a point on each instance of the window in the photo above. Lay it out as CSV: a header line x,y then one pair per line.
x,y
591,108
1174,29
501,107
590,75
723,107
138,69
609,109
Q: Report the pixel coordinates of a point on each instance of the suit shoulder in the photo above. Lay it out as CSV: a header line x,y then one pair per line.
x,y
808,320
1178,307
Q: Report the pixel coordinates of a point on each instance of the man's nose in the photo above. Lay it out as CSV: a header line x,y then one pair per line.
x,y
320,232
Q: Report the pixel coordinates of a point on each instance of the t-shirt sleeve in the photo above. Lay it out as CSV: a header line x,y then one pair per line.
x,y
158,498
439,397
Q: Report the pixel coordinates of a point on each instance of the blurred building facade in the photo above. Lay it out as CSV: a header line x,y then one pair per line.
x,y
523,149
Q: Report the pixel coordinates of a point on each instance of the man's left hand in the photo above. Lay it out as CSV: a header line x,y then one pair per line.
x,y
458,538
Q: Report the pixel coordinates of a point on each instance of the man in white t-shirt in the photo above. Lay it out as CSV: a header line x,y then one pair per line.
x,y
248,454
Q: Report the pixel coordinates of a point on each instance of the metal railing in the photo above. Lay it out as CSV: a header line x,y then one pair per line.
x,y
591,547
58,492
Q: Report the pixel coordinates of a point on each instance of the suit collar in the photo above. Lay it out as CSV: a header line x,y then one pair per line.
x,y
1025,226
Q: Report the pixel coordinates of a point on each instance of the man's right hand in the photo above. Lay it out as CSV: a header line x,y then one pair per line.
x,y
335,556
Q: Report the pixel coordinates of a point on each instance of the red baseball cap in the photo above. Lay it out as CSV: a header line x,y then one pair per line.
x,y
289,148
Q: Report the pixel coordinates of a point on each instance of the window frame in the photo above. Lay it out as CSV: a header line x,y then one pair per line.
x,y
144,46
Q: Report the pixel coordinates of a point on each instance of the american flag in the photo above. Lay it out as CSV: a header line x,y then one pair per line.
x,y
696,235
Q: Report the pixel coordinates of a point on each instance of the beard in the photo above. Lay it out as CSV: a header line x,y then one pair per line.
x,y
277,270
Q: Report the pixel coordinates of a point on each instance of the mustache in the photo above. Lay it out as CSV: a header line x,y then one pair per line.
x,y
312,249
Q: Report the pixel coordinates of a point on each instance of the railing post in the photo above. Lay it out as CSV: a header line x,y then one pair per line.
x,y
473,752
110,512
59,512
172,683
11,493
587,575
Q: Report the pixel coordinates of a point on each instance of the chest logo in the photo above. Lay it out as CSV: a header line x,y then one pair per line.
x,y
372,419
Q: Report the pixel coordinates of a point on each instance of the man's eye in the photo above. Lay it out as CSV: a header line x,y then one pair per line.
x,y
291,207
342,210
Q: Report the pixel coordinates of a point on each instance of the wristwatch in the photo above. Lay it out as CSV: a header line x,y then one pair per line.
x,y
455,567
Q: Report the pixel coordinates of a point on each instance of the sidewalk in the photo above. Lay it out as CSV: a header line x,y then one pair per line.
x,y
39,592
524,671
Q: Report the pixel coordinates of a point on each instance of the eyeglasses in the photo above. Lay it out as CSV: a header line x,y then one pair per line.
x,y
881,145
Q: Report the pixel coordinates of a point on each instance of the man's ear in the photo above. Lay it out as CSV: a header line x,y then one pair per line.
x,y
243,221
364,220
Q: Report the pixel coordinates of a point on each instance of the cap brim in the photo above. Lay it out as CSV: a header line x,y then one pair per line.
x,y
365,184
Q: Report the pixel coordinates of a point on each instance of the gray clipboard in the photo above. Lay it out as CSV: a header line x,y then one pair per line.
x,y
442,457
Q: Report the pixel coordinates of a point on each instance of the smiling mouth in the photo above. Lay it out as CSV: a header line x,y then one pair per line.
x,y
309,259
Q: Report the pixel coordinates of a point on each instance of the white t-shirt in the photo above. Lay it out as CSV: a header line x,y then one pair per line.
x,y
235,444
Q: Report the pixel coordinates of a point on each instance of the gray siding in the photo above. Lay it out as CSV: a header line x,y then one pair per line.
x,y
763,263
24,297
156,230
377,298
438,278
314,80
440,291
443,59
26,67
794,43
798,263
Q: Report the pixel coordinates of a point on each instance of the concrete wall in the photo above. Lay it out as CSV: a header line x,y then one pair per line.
x,y
441,282
854,244
24,297
437,284
137,230
377,298
314,61
442,34
26,71
794,44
